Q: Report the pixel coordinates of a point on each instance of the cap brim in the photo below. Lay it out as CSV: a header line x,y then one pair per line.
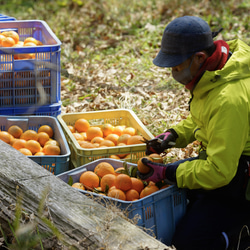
x,y
168,60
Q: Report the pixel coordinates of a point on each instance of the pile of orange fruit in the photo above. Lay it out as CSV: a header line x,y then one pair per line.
x,y
111,182
31,142
11,39
106,135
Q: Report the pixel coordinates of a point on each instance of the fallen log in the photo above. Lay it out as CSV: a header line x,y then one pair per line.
x,y
82,222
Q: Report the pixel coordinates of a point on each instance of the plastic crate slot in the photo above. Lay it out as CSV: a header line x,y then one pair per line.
x,y
148,213
177,199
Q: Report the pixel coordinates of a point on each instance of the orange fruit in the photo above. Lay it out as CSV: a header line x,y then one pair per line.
x,y
47,129
5,136
107,143
30,40
12,34
82,125
15,130
123,182
84,135
137,184
141,167
113,138
39,153
135,139
29,44
129,130
1,38
118,170
97,139
118,129
78,185
104,168
114,157
93,132
52,150
132,194
72,128
29,135
156,158
123,138
107,129
52,142
43,137
78,136
25,151
85,144
19,143
117,194
148,190
107,180
8,42
89,180
33,146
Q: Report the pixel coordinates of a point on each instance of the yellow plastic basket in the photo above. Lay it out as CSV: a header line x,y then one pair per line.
x,y
80,156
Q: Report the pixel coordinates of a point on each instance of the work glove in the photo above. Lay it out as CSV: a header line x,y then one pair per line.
x,y
159,171
165,140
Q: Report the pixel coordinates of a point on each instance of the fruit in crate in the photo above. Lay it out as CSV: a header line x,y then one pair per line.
x,y
31,142
107,180
104,135
11,39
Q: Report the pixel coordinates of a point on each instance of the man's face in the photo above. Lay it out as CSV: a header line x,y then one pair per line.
x,y
186,71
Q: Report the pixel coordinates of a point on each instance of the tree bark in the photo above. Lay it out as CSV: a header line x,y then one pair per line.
x,y
83,222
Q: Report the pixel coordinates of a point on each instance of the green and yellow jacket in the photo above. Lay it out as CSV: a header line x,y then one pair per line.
x,y
220,119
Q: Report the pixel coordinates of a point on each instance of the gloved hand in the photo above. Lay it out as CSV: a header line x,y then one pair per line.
x,y
168,140
159,172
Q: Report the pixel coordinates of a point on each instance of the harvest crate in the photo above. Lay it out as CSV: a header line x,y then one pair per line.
x,y
4,18
159,212
80,156
55,164
28,82
45,110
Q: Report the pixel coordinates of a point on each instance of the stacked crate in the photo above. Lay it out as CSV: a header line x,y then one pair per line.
x,y
30,86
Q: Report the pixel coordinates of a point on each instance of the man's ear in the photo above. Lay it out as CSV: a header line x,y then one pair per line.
x,y
201,57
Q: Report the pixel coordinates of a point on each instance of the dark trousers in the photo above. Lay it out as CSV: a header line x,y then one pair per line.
x,y
209,213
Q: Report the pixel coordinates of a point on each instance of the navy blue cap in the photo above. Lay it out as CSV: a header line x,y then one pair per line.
x,y
182,38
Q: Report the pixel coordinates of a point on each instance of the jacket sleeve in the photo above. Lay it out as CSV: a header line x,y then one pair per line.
x,y
227,131
185,131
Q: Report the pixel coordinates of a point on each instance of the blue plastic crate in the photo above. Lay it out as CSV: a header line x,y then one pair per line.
x,y
159,212
30,81
47,110
55,164
4,18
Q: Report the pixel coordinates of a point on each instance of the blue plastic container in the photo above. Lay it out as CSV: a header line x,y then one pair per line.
x,y
4,18
159,212
55,164
44,110
28,82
